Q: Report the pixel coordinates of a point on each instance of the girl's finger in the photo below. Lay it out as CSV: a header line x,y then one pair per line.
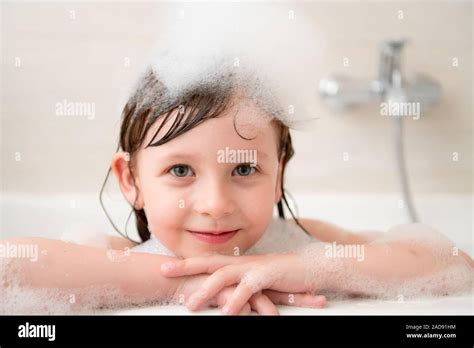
x,y
196,265
221,299
246,310
213,285
241,295
262,305
297,300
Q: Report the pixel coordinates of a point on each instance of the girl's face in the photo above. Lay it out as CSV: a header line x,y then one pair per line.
x,y
207,190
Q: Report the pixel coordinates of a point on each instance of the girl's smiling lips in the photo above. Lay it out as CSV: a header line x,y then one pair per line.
x,y
214,237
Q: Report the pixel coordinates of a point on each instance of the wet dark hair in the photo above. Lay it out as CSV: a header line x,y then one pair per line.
x,y
151,102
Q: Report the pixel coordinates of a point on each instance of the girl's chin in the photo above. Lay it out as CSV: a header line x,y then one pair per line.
x,y
200,249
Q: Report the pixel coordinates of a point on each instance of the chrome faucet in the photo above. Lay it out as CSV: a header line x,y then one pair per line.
x,y
342,92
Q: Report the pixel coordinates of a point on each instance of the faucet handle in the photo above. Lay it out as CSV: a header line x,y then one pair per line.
x,y
389,66
393,47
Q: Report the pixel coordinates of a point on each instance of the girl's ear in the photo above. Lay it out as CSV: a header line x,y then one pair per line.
x,y
278,192
129,188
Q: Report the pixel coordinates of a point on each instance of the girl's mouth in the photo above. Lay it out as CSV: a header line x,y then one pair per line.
x,y
214,237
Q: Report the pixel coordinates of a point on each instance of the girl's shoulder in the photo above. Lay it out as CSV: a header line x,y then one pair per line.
x,y
281,236
152,246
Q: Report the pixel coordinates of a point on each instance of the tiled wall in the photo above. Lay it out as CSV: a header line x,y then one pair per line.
x,y
92,52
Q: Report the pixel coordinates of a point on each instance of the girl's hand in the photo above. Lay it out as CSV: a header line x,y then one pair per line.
x,y
282,273
262,302
258,302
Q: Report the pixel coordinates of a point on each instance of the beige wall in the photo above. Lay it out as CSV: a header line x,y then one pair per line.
x,y
82,59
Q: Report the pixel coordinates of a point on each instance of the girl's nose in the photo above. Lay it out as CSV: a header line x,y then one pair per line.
x,y
214,200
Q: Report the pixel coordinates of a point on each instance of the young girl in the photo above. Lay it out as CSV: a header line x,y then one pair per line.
x,y
188,203
202,165
206,222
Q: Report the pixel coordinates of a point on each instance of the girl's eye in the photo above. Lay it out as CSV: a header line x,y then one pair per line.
x,y
180,170
244,170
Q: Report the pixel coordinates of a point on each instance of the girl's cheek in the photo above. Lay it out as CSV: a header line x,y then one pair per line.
x,y
257,202
165,208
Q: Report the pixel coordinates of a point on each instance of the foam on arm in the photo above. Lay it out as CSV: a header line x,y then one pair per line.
x,y
409,260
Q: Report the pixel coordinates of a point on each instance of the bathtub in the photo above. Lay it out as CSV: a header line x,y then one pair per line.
x,y
72,215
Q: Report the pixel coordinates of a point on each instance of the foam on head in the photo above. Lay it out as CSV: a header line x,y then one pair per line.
x,y
272,51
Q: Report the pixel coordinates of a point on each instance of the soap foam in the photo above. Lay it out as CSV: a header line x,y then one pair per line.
x,y
452,275
272,51
17,298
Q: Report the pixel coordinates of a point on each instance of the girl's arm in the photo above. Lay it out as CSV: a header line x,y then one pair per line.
x,y
408,260
327,232
396,268
405,254
66,266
